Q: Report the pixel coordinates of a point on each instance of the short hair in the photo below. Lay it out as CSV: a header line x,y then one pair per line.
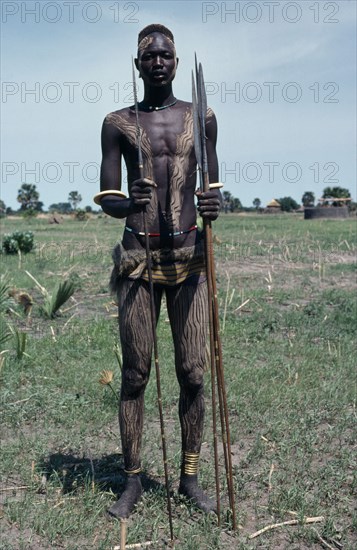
x,y
155,27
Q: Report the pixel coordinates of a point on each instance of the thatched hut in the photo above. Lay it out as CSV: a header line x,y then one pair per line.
x,y
273,207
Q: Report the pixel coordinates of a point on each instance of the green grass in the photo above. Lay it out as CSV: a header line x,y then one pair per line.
x,y
287,292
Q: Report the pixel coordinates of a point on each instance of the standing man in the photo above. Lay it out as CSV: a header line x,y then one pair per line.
x,y
167,194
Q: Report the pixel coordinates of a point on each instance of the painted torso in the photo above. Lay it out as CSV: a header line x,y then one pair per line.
x,y
169,160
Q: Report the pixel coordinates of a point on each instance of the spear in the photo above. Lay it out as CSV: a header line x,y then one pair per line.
x,y
199,105
199,157
152,308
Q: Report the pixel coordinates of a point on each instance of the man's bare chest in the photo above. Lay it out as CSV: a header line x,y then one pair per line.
x,y
165,132
162,136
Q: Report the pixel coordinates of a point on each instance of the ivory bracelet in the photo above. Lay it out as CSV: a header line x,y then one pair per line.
x,y
98,197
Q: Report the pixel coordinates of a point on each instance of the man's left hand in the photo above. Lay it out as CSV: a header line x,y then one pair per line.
x,y
208,204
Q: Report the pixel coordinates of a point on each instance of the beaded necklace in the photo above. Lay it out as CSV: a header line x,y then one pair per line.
x,y
152,108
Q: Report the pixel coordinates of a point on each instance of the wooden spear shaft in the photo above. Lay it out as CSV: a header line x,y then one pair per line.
x,y
216,359
157,367
209,259
215,329
200,104
198,144
226,437
157,372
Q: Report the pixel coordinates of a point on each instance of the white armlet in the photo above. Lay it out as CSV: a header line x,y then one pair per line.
x,y
98,197
217,185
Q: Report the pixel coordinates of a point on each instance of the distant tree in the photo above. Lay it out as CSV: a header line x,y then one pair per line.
x,y
235,204
39,206
256,203
230,203
308,198
2,208
227,198
88,209
28,196
60,207
287,204
81,215
74,198
336,193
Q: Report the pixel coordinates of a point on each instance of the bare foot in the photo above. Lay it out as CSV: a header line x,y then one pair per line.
x,y
190,489
123,507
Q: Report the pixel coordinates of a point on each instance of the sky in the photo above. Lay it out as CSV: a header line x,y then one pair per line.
x,y
280,77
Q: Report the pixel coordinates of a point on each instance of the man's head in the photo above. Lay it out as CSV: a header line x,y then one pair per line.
x,y
156,59
155,27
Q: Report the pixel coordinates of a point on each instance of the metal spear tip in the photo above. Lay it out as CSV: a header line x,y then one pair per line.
x,y
193,81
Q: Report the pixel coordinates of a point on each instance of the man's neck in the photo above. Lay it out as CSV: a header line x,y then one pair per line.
x,y
158,97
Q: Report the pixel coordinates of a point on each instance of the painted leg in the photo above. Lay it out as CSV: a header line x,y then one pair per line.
x,y
136,342
192,418
187,305
131,424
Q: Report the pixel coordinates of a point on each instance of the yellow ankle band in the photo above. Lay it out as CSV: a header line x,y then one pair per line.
x,y
190,463
137,471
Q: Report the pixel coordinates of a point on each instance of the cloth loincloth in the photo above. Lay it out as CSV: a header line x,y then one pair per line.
x,y
169,266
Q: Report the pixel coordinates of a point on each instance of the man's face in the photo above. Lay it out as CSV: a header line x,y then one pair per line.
x,y
157,60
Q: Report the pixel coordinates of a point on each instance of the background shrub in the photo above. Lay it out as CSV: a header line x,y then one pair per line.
x,y
22,241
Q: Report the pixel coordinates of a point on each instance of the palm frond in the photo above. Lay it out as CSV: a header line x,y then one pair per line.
x,y
60,295
20,342
2,360
5,298
5,333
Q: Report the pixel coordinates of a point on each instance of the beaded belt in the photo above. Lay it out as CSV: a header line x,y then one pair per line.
x,y
175,234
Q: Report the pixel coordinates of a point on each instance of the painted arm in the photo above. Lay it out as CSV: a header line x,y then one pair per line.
x,y
110,178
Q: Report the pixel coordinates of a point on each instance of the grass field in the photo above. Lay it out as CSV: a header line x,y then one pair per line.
x,y
287,289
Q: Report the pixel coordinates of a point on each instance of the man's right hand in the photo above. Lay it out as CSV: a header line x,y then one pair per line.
x,y
141,191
